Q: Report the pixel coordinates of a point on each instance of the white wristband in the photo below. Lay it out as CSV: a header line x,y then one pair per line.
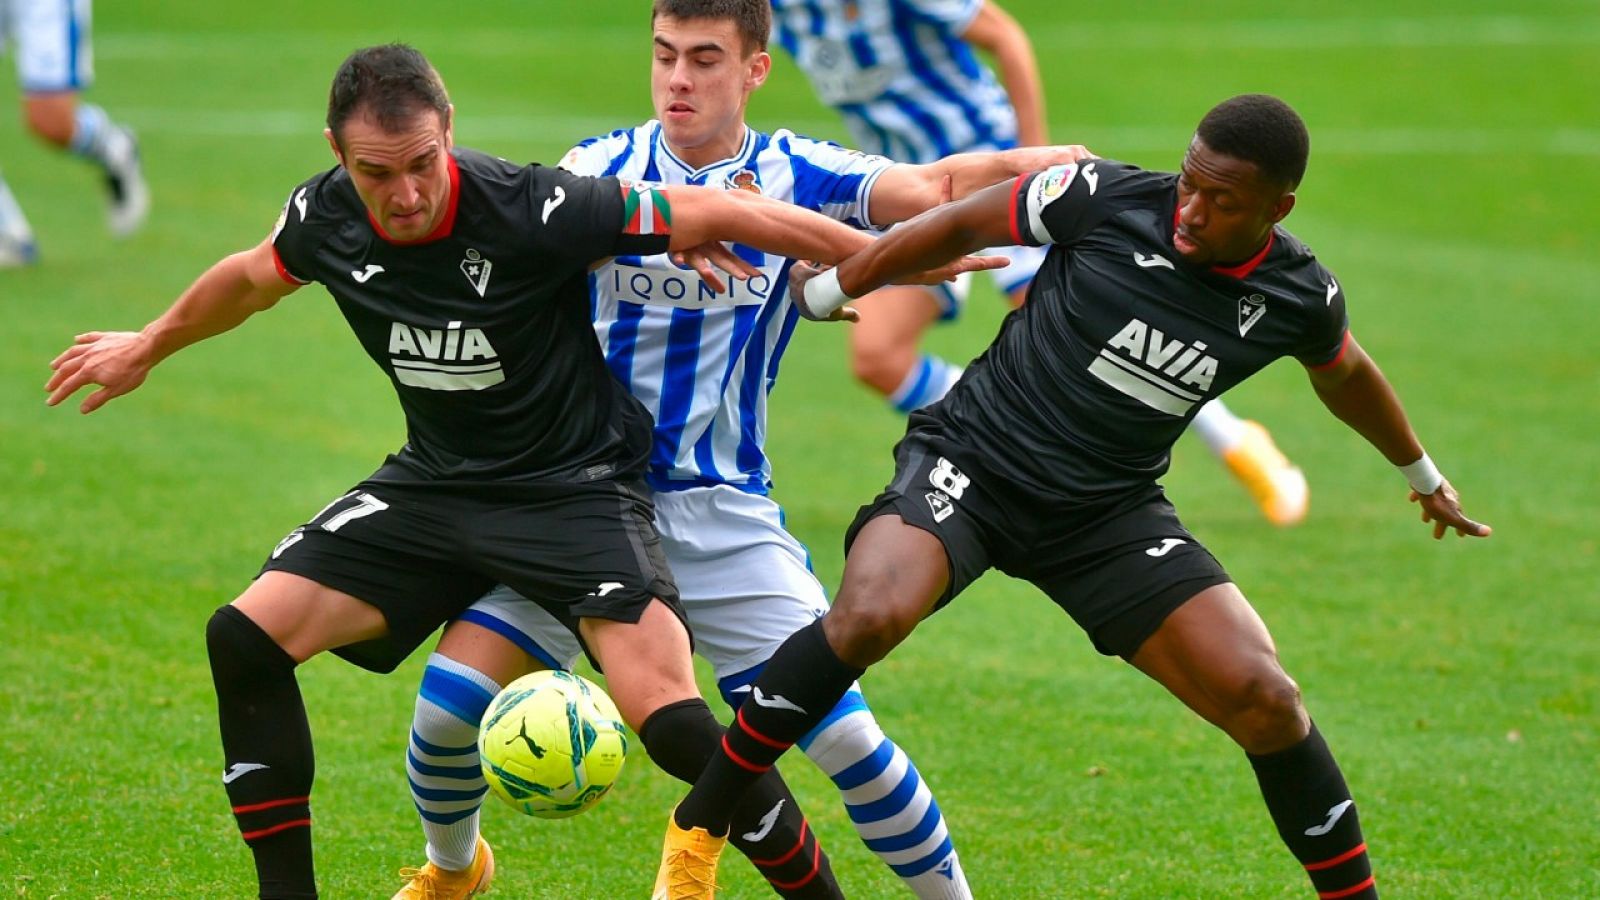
x,y
823,295
1423,475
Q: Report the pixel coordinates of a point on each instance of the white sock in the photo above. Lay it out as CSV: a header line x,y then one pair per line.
x,y
1218,427
13,224
928,380
442,762
892,808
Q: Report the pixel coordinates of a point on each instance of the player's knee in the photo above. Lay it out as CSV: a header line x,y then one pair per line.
x,y
864,632
48,122
1266,711
878,366
239,649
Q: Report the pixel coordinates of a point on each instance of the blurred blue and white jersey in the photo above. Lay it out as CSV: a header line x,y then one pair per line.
x,y
907,84
701,361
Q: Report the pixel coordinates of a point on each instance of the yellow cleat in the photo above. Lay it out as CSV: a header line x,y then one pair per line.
x,y
433,883
688,864
1277,486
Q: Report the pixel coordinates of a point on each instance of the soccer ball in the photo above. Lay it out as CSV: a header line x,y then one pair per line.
x,y
551,744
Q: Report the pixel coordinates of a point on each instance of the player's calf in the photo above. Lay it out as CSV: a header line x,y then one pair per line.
x,y
1315,815
266,744
891,807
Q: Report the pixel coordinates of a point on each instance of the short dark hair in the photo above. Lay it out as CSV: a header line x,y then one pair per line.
x,y
393,83
1260,129
753,17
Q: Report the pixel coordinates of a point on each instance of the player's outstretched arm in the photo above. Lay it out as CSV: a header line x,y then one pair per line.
x,y
1355,390
935,241
903,191
702,214
118,361
994,31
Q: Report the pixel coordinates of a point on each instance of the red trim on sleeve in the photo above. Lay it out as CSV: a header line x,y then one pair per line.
x,y
1343,346
758,736
1016,191
270,804
283,271
447,222
1356,889
1243,269
1346,856
789,854
740,761
284,826
816,866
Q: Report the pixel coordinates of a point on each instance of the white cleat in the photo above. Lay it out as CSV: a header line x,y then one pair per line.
x,y
130,196
17,251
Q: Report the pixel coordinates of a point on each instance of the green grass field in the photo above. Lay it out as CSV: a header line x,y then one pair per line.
x,y
1454,177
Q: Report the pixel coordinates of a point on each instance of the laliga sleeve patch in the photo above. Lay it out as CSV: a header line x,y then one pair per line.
x,y
277,227
1050,186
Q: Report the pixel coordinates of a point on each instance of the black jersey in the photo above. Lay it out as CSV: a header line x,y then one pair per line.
x,y
1089,384
483,325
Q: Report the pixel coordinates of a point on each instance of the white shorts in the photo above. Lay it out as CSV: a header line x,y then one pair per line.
x,y
1025,262
51,38
745,583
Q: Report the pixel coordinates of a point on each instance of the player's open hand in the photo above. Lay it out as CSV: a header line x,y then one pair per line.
x,y
705,259
802,272
118,361
950,271
1057,155
1443,509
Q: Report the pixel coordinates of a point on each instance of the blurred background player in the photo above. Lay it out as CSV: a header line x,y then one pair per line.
x,y
906,79
50,42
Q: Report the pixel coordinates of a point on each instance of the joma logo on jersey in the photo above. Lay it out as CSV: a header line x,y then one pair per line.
x,y
1170,375
443,359
684,290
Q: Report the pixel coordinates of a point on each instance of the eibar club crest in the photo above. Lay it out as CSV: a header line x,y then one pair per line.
x,y
1251,309
477,269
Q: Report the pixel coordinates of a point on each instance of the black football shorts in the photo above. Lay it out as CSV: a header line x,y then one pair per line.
x,y
1119,565
423,551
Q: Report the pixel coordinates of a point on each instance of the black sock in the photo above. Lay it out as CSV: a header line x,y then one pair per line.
x,y
796,690
1311,806
266,747
768,826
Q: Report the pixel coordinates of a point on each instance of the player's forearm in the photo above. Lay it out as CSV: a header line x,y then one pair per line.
x,y
921,244
1020,75
1365,401
997,32
219,300
771,226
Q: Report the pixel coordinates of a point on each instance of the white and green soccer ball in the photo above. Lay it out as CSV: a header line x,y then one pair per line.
x,y
551,744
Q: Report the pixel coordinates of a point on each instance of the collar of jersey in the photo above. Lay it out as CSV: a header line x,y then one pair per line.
x,y
1242,270
689,173
446,224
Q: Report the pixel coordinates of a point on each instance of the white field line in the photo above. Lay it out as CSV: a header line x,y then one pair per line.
x,y
1108,140
523,39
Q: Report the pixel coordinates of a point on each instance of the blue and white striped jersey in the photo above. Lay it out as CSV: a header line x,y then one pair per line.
x,y
703,362
907,84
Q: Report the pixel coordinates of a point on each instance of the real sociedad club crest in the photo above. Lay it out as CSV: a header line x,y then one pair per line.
x,y
476,268
1251,309
744,180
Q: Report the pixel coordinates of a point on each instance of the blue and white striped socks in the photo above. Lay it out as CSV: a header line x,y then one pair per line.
x,y
442,762
892,808
96,138
928,380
